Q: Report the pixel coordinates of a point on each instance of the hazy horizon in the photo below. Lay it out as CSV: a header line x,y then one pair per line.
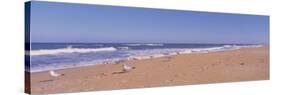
x,y
84,23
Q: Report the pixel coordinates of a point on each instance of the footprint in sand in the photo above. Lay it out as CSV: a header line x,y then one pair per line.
x,y
169,81
123,81
204,68
101,75
177,75
213,64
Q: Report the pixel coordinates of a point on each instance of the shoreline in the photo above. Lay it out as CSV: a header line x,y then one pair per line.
x,y
147,57
181,69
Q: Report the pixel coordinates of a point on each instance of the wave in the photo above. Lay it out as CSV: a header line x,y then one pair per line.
x,y
144,44
217,49
123,48
69,49
244,46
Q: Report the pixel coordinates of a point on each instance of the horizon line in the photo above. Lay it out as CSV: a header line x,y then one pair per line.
x,y
149,43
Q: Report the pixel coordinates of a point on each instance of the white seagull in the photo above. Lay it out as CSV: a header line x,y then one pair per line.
x,y
54,74
127,68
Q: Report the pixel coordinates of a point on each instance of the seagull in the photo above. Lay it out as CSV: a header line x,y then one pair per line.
x,y
127,68
54,74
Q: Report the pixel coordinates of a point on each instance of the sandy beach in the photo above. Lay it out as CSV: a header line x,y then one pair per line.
x,y
228,66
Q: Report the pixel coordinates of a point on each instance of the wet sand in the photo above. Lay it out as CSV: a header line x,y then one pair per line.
x,y
185,69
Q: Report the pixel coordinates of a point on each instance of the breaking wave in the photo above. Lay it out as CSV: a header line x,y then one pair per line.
x,y
69,49
144,44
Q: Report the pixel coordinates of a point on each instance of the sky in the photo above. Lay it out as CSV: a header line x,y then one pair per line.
x,y
85,23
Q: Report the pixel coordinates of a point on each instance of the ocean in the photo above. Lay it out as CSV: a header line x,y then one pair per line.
x,y
54,56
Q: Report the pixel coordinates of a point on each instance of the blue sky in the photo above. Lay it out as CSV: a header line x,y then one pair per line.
x,y
66,22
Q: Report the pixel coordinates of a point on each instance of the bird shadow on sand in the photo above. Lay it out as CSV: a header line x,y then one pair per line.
x,y
49,80
123,71
120,72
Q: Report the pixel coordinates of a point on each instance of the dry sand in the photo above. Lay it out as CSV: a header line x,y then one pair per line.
x,y
229,66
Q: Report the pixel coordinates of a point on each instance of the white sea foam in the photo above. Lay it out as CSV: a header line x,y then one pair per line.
x,y
123,48
172,53
142,57
246,46
186,51
154,44
216,49
69,50
158,55
144,44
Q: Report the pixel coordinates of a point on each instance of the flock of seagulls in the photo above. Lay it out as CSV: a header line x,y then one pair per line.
x,y
126,68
